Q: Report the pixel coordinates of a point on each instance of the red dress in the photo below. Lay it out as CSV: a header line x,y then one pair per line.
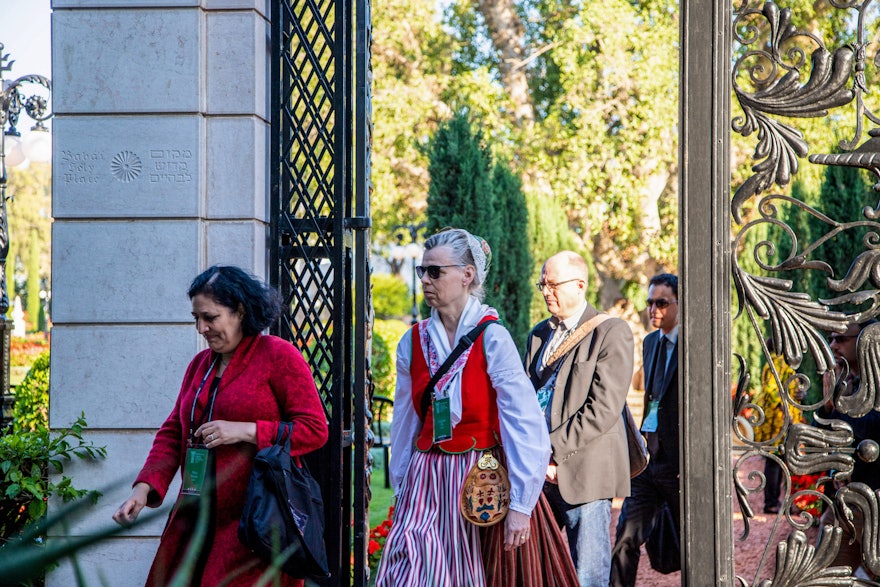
x,y
267,381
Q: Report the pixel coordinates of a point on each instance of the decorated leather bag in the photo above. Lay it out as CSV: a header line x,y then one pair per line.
x,y
485,495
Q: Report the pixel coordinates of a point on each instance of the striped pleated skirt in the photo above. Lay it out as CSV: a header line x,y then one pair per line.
x,y
430,544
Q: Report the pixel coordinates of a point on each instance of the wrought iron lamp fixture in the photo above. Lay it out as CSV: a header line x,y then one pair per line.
x,y
16,99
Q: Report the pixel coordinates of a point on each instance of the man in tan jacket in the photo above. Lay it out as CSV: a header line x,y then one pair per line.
x,y
581,364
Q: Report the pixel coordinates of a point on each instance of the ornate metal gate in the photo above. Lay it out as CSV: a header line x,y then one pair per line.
x,y
781,73
320,242
320,189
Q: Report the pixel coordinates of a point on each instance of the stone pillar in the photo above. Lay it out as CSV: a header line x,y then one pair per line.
x,y
159,170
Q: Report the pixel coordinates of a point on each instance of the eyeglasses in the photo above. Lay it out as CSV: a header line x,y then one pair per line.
x,y
552,286
433,271
840,337
661,303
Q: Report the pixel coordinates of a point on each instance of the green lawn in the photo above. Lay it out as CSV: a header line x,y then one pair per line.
x,y
381,496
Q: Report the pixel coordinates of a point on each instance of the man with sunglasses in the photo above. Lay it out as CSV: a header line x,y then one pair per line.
x,y
658,485
847,374
580,362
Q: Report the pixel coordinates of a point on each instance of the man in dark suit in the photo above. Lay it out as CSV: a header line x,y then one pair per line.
x,y
659,483
581,361
845,347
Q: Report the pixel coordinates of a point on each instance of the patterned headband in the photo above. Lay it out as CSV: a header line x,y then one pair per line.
x,y
482,255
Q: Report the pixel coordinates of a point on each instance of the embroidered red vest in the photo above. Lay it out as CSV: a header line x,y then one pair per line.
x,y
478,428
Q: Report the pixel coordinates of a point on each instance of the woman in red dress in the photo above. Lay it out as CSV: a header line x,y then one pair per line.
x,y
233,396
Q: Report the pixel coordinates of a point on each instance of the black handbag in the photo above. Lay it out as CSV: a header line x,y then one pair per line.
x,y
283,514
664,549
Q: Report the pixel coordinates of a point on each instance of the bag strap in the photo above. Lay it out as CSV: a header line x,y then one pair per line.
x,y
577,335
463,344
285,431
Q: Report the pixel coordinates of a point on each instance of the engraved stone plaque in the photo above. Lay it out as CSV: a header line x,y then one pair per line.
x,y
127,166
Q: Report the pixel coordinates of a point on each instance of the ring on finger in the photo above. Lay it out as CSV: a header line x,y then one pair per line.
x,y
210,437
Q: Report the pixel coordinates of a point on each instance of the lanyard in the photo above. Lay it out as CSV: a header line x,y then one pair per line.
x,y
192,415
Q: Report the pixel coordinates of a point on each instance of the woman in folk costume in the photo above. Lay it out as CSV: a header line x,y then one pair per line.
x,y
483,401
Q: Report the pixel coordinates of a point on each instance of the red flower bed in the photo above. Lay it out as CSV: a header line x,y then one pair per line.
x,y
24,350
376,545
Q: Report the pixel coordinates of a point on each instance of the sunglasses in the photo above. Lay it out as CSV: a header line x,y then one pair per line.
x,y
661,303
840,337
433,271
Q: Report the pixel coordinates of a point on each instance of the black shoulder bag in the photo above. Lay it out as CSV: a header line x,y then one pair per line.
x,y
283,515
463,344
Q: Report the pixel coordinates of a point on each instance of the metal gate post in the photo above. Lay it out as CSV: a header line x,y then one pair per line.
x,y
705,268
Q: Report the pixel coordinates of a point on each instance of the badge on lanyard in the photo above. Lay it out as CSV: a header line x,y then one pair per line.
x,y
442,420
195,470
650,423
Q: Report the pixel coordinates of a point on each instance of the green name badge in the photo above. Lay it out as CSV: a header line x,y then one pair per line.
x,y
650,423
195,470
442,420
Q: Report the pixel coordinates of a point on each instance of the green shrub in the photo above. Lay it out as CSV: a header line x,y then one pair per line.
x,y
386,335
31,409
391,296
26,459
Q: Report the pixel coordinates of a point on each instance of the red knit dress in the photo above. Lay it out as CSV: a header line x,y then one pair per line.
x,y
266,382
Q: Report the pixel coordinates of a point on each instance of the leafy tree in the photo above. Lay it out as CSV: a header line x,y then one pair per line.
x,y
30,232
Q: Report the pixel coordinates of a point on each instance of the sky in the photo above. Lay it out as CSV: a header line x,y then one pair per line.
x,y
25,31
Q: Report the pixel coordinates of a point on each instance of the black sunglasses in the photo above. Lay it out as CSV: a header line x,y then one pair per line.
x,y
433,271
661,303
840,337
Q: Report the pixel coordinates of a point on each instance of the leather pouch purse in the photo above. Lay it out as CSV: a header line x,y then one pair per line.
x,y
485,495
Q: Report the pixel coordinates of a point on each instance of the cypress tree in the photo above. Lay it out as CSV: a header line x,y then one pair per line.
x,y
469,191
32,298
512,260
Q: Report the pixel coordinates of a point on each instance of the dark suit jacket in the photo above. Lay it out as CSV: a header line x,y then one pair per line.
x,y
587,433
667,415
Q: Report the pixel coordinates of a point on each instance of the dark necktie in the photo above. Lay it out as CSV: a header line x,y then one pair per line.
x,y
659,371
658,374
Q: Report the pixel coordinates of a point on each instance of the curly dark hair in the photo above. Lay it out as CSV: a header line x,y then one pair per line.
x,y
234,288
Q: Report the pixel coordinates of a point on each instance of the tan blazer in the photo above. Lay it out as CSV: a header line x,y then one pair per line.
x,y
586,428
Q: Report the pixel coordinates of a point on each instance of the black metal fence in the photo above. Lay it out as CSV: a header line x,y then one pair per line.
x,y
320,242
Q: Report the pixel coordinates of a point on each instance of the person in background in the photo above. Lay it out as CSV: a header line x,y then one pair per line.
x,y
490,404
658,484
234,395
581,363
845,349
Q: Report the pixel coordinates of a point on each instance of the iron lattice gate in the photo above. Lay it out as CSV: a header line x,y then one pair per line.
x,y
321,125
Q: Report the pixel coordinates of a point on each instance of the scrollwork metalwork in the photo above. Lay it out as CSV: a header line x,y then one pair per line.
x,y
782,71
864,499
780,145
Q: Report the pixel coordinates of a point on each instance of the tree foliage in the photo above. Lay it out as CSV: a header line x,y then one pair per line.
x,y
471,190
29,212
579,98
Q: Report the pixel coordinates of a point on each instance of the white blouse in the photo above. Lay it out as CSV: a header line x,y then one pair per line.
x,y
523,430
